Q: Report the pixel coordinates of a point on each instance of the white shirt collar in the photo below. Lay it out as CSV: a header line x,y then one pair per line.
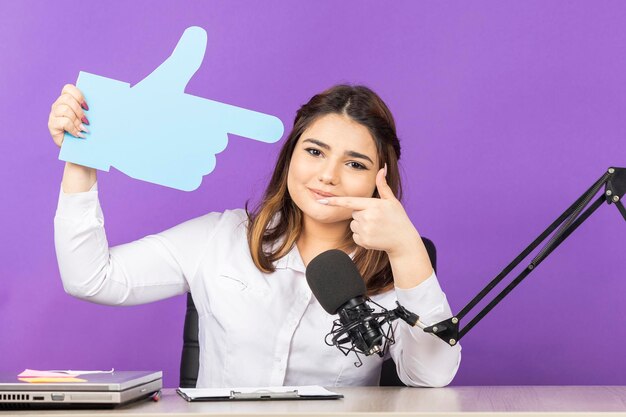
x,y
293,260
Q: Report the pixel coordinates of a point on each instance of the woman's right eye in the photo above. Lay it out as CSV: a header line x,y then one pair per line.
x,y
313,151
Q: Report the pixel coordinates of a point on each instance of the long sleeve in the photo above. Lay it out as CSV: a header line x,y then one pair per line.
x,y
421,359
149,269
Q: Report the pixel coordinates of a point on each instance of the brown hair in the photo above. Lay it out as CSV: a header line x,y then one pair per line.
x,y
270,238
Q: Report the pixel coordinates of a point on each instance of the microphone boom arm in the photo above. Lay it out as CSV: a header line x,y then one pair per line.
x,y
614,181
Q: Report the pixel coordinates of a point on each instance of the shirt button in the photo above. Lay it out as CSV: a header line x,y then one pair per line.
x,y
277,359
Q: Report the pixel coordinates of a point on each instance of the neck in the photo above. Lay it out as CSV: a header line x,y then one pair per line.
x,y
318,237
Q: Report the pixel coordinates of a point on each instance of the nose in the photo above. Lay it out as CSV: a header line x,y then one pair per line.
x,y
328,174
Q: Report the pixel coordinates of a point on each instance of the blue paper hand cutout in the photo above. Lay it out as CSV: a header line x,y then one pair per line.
x,y
154,131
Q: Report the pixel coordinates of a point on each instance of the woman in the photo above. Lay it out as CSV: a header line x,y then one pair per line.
x,y
336,185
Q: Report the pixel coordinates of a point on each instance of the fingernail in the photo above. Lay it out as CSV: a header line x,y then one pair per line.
x,y
84,105
85,120
83,128
80,135
323,201
385,169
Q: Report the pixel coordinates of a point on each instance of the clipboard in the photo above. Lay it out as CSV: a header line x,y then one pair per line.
x,y
311,392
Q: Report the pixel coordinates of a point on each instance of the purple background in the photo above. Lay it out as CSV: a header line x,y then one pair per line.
x,y
507,112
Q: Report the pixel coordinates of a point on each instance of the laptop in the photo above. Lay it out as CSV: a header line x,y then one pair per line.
x,y
106,390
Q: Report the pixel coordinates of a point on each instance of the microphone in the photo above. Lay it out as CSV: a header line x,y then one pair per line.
x,y
338,286
340,289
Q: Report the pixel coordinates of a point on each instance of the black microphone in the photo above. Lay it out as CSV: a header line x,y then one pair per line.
x,y
340,289
338,286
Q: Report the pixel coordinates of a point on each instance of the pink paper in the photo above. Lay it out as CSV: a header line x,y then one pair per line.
x,y
31,373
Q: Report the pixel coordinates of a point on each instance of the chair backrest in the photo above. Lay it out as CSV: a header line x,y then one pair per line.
x,y
190,359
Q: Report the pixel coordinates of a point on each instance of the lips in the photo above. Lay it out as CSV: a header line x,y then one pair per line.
x,y
320,194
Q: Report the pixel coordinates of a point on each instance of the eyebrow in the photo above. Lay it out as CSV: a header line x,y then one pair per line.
x,y
353,154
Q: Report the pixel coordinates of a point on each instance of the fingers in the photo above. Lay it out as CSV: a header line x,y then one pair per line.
x,y
59,125
69,126
354,226
67,114
362,203
354,203
360,225
383,188
69,100
74,92
65,110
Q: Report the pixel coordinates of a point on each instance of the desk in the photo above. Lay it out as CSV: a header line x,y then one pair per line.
x,y
388,401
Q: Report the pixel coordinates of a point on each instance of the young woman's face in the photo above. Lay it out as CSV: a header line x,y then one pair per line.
x,y
337,156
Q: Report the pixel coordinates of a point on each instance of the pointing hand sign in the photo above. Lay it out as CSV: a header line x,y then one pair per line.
x,y
154,131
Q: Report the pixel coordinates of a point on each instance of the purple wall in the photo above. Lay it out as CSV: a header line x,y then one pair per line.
x,y
507,112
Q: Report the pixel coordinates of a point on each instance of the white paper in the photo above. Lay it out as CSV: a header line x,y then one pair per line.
x,y
303,391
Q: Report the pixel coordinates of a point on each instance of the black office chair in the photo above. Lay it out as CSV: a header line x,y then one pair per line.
x,y
190,359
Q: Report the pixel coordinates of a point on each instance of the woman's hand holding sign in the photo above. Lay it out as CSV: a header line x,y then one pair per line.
x,y
153,130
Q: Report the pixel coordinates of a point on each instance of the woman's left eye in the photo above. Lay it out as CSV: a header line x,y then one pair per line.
x,y
356,165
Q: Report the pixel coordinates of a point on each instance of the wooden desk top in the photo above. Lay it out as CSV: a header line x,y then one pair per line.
x,y
387,401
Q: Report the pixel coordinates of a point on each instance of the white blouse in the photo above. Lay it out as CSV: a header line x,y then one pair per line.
x,y
255,329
